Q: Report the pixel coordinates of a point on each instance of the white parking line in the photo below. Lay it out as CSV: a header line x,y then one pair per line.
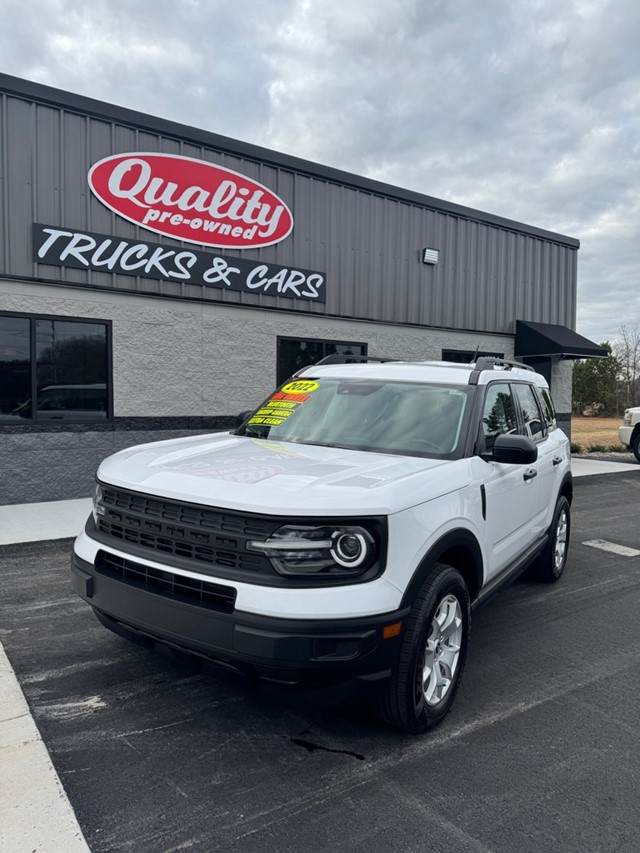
x,y
603,545
35,813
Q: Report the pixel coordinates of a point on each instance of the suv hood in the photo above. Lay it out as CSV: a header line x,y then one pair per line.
x,y
261,476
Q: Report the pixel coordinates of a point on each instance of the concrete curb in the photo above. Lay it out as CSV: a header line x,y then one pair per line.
x,y
35,813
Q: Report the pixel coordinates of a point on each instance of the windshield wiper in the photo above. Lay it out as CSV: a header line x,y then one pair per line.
x,y
251,433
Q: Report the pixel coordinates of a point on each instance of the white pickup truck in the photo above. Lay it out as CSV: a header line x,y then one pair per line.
x,y
629,432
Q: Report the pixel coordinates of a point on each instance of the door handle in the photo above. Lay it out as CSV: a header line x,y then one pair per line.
x,y
529,474
557,460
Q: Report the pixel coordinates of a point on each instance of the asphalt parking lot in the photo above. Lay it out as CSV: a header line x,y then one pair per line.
x,y
541,751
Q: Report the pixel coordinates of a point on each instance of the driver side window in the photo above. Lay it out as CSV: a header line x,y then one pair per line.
x,y
499,414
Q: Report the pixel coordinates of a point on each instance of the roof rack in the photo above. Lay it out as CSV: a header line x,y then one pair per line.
x,y
484,363
338,358
341,358
489,362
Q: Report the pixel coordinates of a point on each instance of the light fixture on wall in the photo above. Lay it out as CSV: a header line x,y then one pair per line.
x,y
430,256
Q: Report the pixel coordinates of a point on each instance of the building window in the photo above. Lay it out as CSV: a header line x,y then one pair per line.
x,y
293,353
465,356
53,369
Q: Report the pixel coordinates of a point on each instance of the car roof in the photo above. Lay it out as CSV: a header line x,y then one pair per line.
x,y
451,373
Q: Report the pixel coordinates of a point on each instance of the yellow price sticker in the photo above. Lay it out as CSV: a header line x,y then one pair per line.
x,y
300,386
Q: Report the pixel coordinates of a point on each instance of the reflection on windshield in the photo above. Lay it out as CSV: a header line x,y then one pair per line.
x,y
395,417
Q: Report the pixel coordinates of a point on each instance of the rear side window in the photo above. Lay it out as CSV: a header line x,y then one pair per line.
x,y
534,425
548,409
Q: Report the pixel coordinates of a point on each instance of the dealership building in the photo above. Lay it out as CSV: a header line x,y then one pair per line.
x,y
156,280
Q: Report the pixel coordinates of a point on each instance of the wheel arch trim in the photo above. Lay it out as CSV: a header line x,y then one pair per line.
x,y
566,488
458,542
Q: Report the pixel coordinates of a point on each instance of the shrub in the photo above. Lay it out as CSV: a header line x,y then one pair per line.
x,y
595,448
575,447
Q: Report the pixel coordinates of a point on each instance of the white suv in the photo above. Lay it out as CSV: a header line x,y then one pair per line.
x,y
342,535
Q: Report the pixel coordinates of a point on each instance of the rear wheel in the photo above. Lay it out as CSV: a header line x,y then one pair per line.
x,y
432,655
635,446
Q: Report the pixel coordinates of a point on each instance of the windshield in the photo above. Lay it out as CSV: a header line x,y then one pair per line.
x,y
409,418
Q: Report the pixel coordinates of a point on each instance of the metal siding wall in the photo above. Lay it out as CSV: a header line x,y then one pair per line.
x,y
17,182
368,245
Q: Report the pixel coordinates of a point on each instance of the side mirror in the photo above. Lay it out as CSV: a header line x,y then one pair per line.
x,y
513,449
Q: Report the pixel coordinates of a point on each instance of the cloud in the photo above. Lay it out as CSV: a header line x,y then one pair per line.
x,y
529,109
201,63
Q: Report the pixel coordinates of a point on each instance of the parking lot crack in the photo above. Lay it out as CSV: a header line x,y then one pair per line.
x,y
312,747
175,787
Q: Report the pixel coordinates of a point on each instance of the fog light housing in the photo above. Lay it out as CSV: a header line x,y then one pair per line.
x,y
336,648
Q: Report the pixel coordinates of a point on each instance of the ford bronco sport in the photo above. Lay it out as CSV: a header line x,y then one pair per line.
x,y
343,534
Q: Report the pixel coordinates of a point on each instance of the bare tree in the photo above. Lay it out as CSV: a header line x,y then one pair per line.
x,y
627,349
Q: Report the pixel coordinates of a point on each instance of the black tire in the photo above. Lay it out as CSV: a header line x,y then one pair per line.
x,y
551,563
635,446
404,703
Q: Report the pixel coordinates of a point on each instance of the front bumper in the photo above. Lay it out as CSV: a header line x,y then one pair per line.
x,y
625,433
313,653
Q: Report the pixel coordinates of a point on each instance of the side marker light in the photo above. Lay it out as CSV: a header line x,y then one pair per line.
x,y
391,630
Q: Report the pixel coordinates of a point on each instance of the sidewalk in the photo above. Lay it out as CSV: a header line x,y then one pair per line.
x,y
43,521
35,813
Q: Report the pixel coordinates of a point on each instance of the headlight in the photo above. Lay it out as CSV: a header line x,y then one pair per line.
x,y
626,418
98,509
336,551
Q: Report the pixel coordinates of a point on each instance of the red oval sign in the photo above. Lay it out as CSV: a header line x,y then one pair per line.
x,y
191,200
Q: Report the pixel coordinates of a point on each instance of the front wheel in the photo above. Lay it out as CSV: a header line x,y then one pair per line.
x,y
635,446
432,655
554,557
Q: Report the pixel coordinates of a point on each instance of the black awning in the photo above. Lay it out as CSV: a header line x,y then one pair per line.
x,y
545,339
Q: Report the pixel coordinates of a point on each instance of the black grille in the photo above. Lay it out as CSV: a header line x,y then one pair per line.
x,y
180,548
187,534
187,514
168,584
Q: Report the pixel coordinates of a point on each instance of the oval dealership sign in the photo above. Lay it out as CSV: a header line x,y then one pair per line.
x,y
191,200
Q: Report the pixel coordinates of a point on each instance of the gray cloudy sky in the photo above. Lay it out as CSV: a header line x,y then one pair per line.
x,y
529,109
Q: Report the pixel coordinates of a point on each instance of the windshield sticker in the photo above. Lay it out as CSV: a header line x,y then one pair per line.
x,y
300,386
292,398
274,412
279,407
266,420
